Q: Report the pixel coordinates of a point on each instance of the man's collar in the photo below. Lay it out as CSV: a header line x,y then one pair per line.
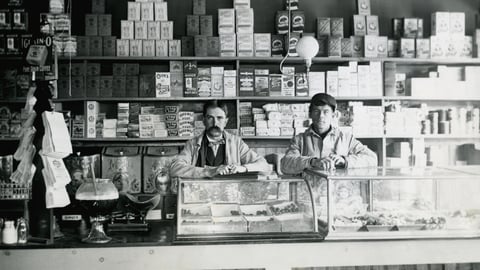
x,y
333,131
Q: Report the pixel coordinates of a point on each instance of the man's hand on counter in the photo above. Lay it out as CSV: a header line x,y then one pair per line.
x,y
229,169
328,163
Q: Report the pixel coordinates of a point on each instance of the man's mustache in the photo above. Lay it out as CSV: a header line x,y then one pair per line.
x,y
214,131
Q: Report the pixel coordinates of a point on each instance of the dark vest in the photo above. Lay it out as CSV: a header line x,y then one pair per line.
x,y
206,156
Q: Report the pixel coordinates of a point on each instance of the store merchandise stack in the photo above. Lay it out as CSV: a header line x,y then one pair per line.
x,y
98,39
199,39
147,31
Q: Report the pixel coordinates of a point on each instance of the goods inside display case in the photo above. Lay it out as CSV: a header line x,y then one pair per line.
x,y
400,202
246,209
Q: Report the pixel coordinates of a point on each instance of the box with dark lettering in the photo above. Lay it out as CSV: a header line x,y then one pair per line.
x,y
393,48
382,46
148,47
301,85
298,21
93,69
193,25
282,22
226,21
146,87
322,46
372,25
176,84
438,46
410,27
78,69
397,27
136,47
244,20
134,11
261,82
246,81
359,25
92,86
127,29
407,48
96,46
153,31
206,25
292,43
161,47
190,71
20,20
106,86
161,11
336,27
323,26
91,25
119,69
105,25
440,22
188,47
346,47
119,88
204,82
98,6
358,46
147,11
201,45
131,85
109,46
217,81
244,44
334,46
275,85
370,46
5,19
467,47
457,23
228,45
213,48
422,48
199,7
174,48
132,69
166,30
123,47
78,86
363,7
262,45
141,29
83,46
278,46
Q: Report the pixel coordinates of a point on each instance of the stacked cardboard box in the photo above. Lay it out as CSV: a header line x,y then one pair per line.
x,y
199,40
147,31
289,19
355,80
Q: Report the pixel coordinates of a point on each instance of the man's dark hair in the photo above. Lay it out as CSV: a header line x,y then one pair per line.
x,y
322,99
215,104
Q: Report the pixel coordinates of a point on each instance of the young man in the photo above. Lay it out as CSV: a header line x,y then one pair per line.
x,y
216,152
323,146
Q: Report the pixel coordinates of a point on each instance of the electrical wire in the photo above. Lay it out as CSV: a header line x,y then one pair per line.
x,y
288,35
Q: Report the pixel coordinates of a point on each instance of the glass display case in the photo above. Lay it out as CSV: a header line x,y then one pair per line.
x,y
425,202
246,208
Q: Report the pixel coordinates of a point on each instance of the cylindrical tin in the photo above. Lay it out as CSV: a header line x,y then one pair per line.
x,y
80,169
156,161
433,122
6,168
444,127
124,166
425,126
442,115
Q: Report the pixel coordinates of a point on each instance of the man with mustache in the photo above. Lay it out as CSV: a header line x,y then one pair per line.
x,y
323,146
216,152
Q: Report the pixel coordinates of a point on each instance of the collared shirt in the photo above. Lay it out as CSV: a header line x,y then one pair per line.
x,y
214,144
308,145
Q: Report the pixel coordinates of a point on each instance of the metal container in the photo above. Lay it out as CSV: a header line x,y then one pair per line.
x,y
156,161
6,167
124,166
80,169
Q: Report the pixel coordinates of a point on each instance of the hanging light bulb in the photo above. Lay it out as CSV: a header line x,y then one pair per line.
x,y
307,48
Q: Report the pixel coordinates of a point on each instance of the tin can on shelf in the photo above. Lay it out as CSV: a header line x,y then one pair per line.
x,y
6,167
81,167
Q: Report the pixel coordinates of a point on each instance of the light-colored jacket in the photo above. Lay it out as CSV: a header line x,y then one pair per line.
x,y
308,145
236,152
